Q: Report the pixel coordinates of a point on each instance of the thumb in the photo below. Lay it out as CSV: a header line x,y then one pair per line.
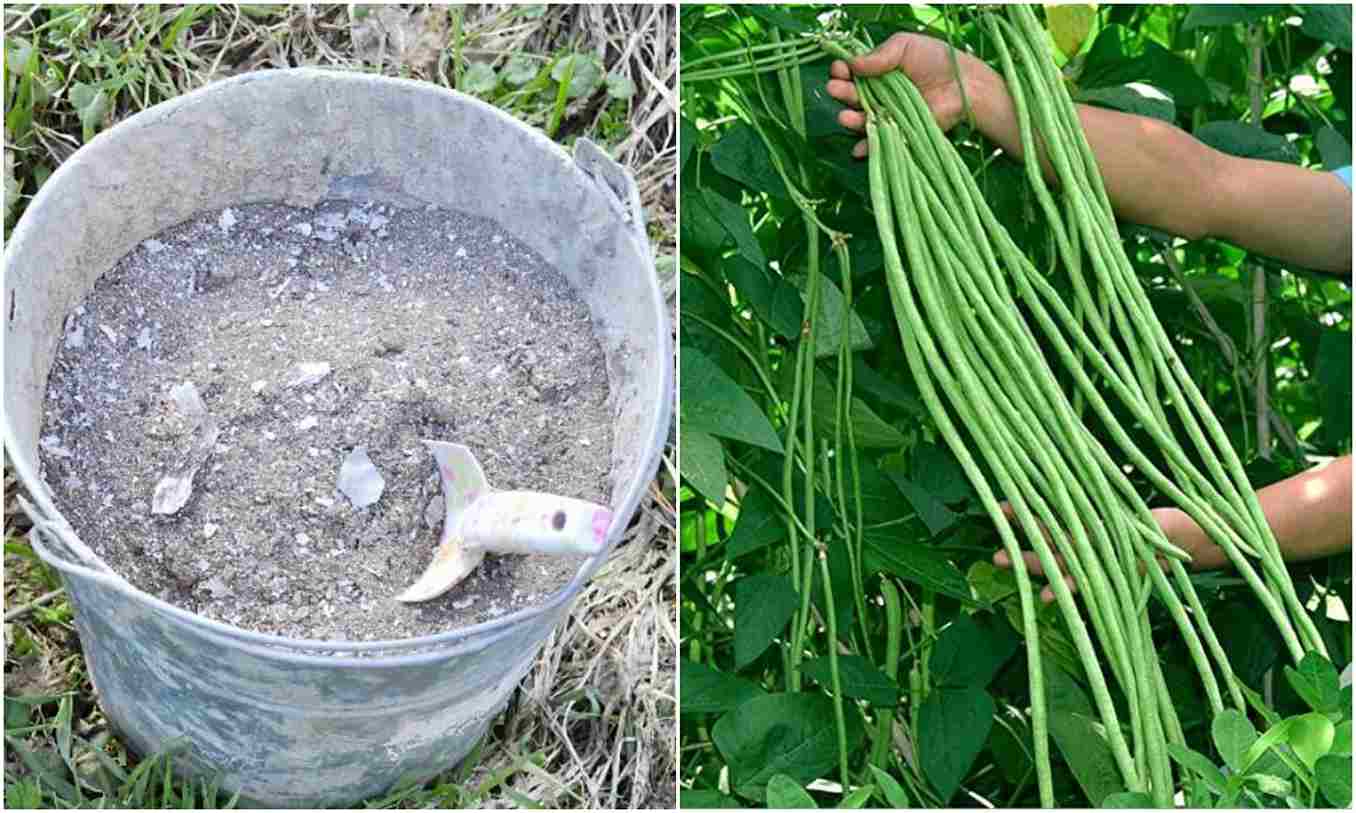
x,y
887,57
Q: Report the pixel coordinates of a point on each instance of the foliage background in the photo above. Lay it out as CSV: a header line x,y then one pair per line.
x,y
959,733
593,724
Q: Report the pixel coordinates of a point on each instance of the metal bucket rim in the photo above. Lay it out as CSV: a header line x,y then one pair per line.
x,y
427,647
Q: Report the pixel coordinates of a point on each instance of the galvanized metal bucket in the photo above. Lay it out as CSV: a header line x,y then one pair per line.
x,y
304,722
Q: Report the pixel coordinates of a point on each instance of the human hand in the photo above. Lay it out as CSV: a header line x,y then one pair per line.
x,y
1180,529
927,63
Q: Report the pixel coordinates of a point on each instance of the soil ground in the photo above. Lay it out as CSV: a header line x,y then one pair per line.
x,y
309,334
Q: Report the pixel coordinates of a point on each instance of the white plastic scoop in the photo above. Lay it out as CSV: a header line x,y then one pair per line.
x,y
481,520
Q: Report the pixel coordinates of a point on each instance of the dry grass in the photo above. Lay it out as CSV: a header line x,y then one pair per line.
x,y
594,723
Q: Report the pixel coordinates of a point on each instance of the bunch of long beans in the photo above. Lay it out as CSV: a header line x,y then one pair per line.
x,y
1000,407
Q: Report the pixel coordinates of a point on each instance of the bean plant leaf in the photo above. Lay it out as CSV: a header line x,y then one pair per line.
x,y
774,299
712,402
1133,97
870,431
953,725
1327,22
891,790
1199,764
741,156
735,221
479,79
1333,372
1233,734
1310,737
1247,141
704,690
620,86
1334,149
704,464
706,800
763,604
792,734
1315,681
521,69
760,522
1213,15
1109,63
1128,800
971,650
1341,741
914,563
785,793
931,510
857,678
688,138
1069,24
833,315
1078,739
1332,772
858,798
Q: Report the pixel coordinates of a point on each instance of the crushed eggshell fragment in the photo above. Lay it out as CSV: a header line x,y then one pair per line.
x,y
359,479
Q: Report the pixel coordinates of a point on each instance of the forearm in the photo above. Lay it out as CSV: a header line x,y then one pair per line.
x,y
1158,175
1310,514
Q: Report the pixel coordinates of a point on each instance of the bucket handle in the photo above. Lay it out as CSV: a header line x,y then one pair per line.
x,y
617,184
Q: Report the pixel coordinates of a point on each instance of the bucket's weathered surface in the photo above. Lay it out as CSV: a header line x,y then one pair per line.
x,y
313,723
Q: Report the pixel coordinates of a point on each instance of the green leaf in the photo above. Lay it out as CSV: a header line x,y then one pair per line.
x,y
763,605
479,79
1333,372
706,800
712,402
953,725
704,690
870,431
915,563
1078,738
688,139
774,300
1316,682
1310,737
1341,740
931,510
760,523
1272,785
587,75
521,69
1200,765
1069,24
741,156
971,650
1135,97
1233,734
858,678
735,220
1127,799
1209,16
858,798
620,86
1332,773
894,794
785,793
703,464
1247,141
794,734
92,104
776,18
1108,63
1328,22
936,469
1333,147
833,314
